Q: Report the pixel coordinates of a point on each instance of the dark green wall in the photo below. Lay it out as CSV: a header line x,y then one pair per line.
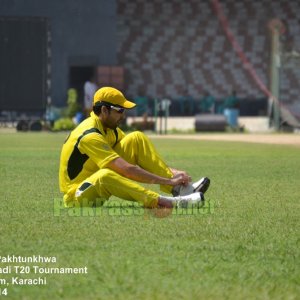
x,y
83,33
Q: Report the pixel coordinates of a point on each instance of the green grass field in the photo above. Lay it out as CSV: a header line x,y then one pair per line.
x,y
247,247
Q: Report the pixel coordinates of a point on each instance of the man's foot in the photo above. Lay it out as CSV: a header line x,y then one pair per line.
x,y
192,200
199,186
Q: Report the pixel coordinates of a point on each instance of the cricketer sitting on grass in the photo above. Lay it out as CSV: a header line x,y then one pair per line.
x,y
98,160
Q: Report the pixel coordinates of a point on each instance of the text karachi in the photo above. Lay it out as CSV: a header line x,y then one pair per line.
x,y
28,281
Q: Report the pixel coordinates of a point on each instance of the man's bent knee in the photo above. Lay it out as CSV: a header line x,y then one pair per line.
x,y
137,135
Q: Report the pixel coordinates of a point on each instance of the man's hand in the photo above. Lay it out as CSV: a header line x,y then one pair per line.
x,y
180,178
185,176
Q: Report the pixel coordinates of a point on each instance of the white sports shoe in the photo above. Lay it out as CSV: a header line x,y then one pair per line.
x,y
191,200
199,186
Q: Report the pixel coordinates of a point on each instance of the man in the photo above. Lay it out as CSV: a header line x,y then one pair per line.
x,y
89,90
207,103
98,160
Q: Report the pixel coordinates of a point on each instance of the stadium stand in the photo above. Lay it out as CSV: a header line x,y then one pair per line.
x,y
168,46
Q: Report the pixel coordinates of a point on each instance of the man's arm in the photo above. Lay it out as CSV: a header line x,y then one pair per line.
x,y
122,167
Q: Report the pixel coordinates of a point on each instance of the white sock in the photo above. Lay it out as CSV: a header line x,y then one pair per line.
x,y
192,198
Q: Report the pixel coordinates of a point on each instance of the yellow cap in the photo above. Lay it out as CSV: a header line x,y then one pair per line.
x,y
113,96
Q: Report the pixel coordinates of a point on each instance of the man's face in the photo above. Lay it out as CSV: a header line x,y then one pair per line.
x,y
111,118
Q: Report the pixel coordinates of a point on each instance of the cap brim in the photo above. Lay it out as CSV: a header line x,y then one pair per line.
x,y
128,104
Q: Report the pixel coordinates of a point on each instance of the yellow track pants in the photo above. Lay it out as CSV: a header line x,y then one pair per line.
x,y
137,149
